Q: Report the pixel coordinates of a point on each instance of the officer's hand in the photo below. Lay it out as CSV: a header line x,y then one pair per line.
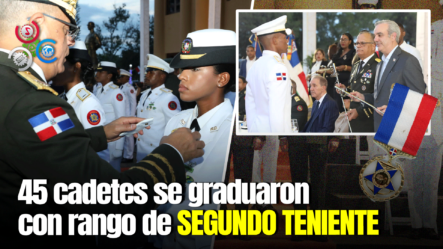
x,y
381,110
284,144
113,129
333,145
258,143
186,142
340,85
358,95
352,114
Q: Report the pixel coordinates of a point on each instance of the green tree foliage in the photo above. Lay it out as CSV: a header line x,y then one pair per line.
x,y
248,21
330,26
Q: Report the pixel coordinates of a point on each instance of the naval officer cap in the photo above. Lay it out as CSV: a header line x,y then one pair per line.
x,y
107,66
67,6
155,62
125,73
206,48
272,27
79,51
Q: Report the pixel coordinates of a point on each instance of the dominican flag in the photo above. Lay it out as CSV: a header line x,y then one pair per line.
x,y
51,123
295,70
256,44
406,119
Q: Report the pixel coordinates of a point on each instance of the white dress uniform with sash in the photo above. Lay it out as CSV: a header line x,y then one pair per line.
x,y
208,47
268,92
131,103
112,100
158,103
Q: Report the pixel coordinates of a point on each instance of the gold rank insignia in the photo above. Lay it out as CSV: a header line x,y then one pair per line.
x,y
36,83
377,59
438,103
297,98
214,129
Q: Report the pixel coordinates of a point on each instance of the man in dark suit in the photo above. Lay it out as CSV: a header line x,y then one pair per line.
x,y
397,66
325,110
250,59
362,79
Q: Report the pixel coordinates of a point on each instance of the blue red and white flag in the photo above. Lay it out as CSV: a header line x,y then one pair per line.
x,y
256,44
295,70
50,123
281,76
406,119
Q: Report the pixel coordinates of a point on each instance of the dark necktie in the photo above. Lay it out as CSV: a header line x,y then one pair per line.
x,y
149,93
121,87
103,88
195,125
360,66
316,108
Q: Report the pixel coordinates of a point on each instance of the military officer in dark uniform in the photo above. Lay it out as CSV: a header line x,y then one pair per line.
x,y
299,109
42,137
362,79
241,98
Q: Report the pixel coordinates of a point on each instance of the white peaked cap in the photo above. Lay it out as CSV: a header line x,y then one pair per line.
x,y
106,64
79,45
158,63
213,38
124,72
274,26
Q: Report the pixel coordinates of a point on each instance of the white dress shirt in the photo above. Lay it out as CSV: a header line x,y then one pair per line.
x,y
412,50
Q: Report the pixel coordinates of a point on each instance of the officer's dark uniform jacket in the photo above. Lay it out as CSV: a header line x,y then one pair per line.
x,y
299,111
68,157
363,82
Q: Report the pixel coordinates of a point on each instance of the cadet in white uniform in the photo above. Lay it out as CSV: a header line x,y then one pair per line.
x,y
157,102
86,105
268,93
208,62
96,88
112,100
131,102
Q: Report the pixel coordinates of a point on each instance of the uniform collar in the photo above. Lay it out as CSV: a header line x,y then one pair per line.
x,y
157,89
36,68
108,85
367,59
205,118
271,53
70,95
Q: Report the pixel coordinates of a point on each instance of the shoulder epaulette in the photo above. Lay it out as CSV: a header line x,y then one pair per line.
x,y
356,62
165,90
278,59
113,86
36,83
82,94
377,59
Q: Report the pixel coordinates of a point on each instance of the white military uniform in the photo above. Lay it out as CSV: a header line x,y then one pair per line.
x,y
268,92
423,173
97,88
86,106
131,103
269,156
161,105
215,126
112,100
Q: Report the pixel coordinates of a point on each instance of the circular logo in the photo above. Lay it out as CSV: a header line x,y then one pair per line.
x,y
299,108
363,87
132,91
26,32
172,105
186,46
119,97
93,117
380,180
46,50
22,60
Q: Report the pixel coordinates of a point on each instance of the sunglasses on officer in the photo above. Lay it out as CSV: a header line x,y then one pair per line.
x,y
150,69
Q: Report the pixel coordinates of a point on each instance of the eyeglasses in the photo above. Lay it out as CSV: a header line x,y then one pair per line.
x,y
362,43
73,30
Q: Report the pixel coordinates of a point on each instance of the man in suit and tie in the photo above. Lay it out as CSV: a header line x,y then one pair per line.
x,y
397,66
325,109
362,79
250,59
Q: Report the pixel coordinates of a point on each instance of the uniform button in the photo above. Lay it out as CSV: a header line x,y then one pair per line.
x,y
142,110
139,139
151,144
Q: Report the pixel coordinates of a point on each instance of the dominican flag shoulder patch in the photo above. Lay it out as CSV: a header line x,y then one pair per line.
x,y
281,76
50,123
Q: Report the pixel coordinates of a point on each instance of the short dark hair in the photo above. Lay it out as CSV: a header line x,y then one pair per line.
x,y
226,68
400,25
243,79
250,46
86,69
